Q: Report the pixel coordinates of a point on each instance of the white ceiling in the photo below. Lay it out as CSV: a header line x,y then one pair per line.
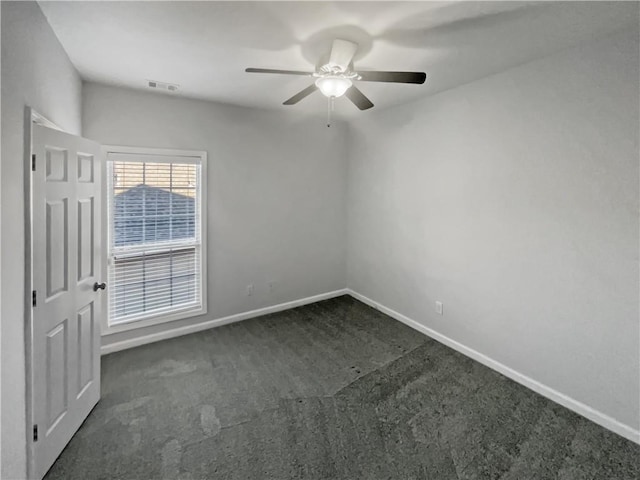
x,y
205,46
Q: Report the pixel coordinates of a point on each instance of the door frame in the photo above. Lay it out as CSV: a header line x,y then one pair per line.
x,y
31,117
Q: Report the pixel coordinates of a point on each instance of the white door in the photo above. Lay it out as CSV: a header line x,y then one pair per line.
x,y
67,269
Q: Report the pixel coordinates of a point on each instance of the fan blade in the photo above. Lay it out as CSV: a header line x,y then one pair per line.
x,y
395,77
300,95
342,52
358,98
283,72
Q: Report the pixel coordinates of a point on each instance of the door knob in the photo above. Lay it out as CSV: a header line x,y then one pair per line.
x,y
99,286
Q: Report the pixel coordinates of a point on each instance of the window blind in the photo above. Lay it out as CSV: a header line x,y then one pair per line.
x,y
155,236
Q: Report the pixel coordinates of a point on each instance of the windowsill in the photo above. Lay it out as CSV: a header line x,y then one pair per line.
x,y
155,320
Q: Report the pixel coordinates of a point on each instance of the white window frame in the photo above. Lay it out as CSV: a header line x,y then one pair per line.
x,y
197,156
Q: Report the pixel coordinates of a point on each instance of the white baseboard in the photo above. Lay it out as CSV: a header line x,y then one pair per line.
x,y
217,322
578,407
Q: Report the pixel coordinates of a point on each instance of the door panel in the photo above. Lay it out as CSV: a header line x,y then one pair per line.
x,y
57,374
84,345
85,238
86,165
57,243
66,263
57,164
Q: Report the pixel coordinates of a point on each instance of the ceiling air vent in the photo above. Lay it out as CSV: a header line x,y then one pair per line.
x,y
169,87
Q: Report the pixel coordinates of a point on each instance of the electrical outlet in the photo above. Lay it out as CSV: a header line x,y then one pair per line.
x,y
439,309
249,289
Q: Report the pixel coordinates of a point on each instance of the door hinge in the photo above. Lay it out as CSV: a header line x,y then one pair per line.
x,y
35,433
33,162
34,298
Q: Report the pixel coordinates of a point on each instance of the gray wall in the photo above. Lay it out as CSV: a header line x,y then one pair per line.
x,y
36,72
277,190
514,200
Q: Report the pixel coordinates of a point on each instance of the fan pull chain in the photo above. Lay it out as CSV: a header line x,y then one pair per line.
x,y
329,110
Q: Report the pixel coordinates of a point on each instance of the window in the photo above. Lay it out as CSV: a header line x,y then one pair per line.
x,y
156,236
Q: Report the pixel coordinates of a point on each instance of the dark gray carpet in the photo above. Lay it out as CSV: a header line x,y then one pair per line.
x,y
333,390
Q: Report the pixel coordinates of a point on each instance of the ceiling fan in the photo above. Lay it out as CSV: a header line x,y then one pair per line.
x,y
337,77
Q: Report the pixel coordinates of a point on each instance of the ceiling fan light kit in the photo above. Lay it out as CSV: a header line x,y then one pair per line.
x,y
335,78
333,86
